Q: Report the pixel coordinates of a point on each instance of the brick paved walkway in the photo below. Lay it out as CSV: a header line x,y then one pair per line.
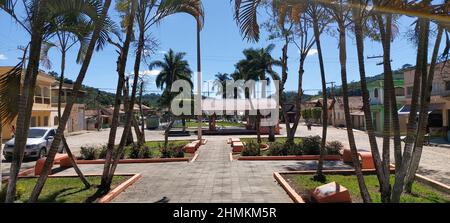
x,y
211,178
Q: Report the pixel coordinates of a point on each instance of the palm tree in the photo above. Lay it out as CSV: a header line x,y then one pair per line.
x,y
221,84
258,66
97,40
173,67
128,13
340,14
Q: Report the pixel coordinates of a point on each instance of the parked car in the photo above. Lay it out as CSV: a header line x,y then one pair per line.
x,y
39,141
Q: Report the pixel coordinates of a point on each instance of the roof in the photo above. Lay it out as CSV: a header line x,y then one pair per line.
x,y
355,102
41,74
136,107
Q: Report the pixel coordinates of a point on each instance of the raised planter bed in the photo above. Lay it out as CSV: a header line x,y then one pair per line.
x,y
287,158
69,188
424,189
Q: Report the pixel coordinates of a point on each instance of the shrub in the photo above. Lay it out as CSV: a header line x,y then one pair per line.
x,y
133,152
277,149
311,145
294,149
89,152
334,148
102,152
145,153
251,149
172,151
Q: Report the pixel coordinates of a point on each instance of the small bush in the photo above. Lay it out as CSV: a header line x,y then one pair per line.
x,y
311,145
294,149
133,152
102,152
145,153
252,148
277,149
334,148
172,151
89,152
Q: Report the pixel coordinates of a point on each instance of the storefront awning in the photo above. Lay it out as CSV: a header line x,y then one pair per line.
x,y
405,110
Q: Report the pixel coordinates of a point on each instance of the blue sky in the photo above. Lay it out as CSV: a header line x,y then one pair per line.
x,y
222,47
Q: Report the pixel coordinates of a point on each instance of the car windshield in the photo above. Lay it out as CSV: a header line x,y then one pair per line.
x,y
36,133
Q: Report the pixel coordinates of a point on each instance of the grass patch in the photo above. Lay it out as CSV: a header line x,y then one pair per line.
x,y
63,189
304,184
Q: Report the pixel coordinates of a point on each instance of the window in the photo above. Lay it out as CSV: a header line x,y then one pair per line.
x,y
399,91
55,120
375,93
33,121
39,121
409,91
38,95
51,133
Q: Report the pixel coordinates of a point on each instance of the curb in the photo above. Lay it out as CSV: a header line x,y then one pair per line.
x,y
289,190
119,189
289,158
194,158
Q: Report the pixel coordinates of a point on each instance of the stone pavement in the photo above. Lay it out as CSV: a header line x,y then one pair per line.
x,y
211,178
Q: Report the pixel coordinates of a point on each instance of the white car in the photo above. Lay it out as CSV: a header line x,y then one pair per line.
x,y
38,143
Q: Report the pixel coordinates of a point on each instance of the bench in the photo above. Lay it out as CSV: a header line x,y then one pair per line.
x,y
237,147
59,158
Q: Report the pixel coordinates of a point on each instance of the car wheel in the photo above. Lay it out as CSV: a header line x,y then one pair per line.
x,y
42,153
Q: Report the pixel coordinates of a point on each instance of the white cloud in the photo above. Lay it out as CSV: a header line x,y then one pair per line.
x,y
3,57
312,52
150,72
162,52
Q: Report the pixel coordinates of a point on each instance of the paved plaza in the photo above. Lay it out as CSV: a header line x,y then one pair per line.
x,y
214,178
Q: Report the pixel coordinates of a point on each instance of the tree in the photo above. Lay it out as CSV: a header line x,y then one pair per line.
x,y
173,67
96,40
221,84
340,13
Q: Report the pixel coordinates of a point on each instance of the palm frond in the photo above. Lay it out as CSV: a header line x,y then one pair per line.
x,y
45,60
191,7
245,14
9,94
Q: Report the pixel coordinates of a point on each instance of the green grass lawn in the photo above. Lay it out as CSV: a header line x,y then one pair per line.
x,y
64,189
303,184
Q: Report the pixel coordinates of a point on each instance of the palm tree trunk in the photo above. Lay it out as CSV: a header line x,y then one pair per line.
x,y
74,163
422,55
137,63
121,65
366,100
199,78
141,110
26,99
284,75
351,138
319,174
389,102
65,117
423,117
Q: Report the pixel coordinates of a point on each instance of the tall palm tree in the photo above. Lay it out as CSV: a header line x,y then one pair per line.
x,y
340,13
128,13
221,84
96,40
173,67
258,66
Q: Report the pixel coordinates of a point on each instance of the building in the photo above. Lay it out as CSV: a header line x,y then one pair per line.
x,y
356,112
438,118
76,120
376,91
44,111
